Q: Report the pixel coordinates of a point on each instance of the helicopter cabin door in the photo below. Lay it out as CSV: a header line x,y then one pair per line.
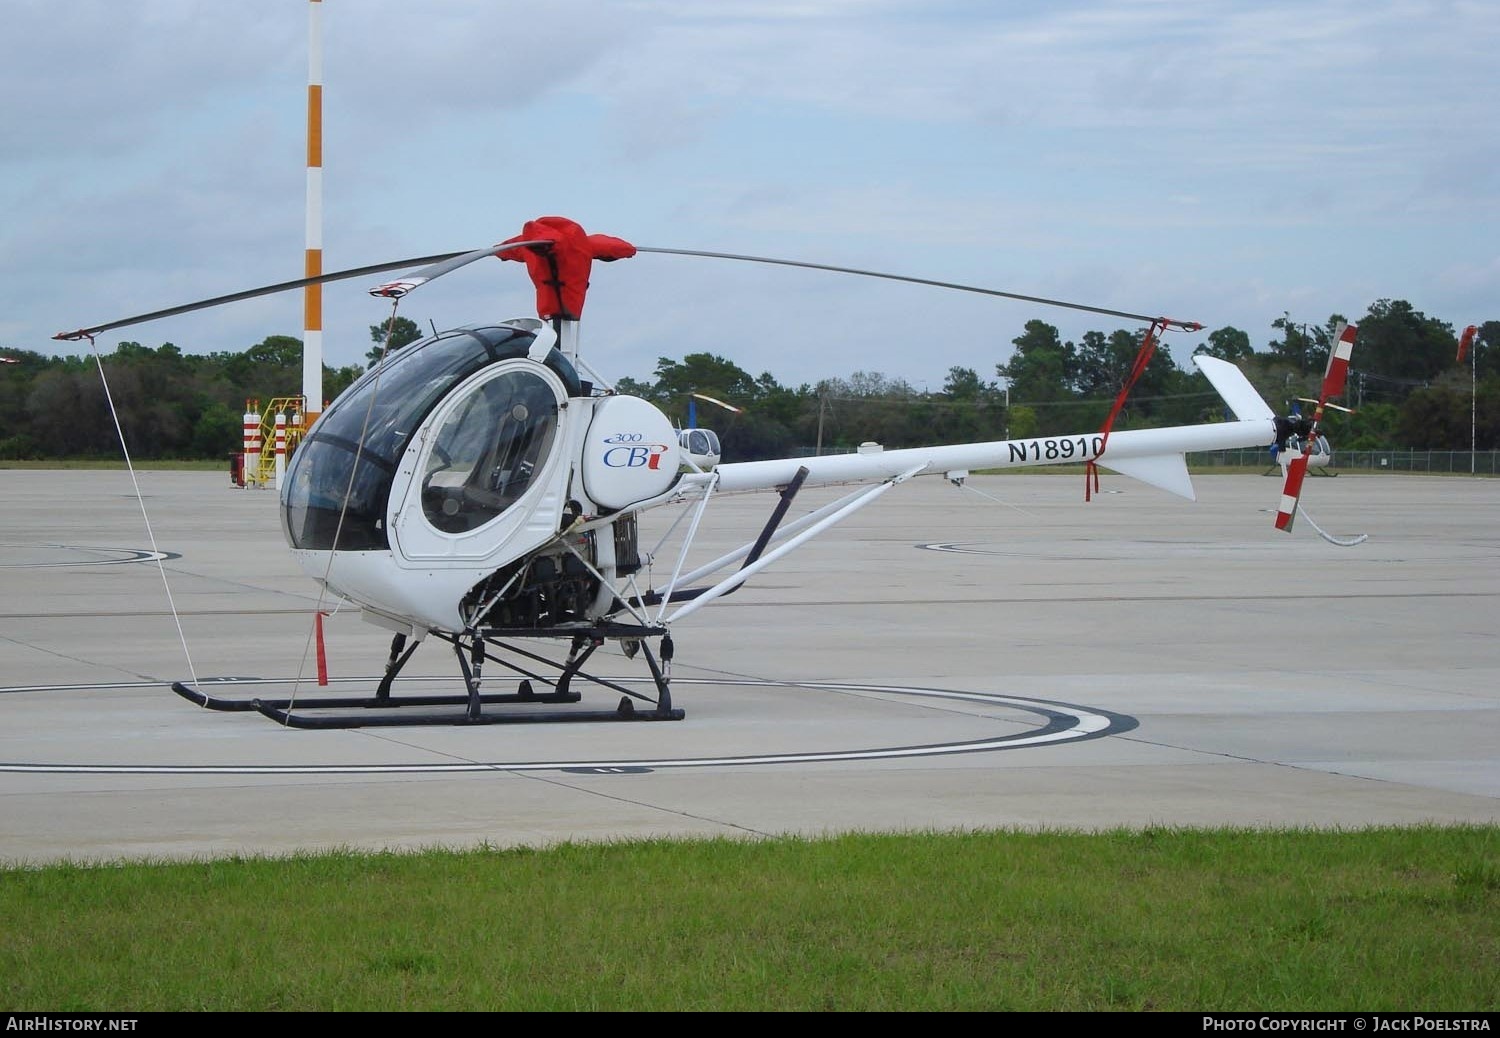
x,y
487,474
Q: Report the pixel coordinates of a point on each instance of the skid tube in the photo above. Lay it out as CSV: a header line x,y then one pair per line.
x,y
473,650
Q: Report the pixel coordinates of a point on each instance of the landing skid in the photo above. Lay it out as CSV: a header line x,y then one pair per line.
x,y
385,709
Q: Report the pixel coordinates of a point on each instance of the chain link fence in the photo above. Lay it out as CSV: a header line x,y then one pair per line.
x,y
1480,463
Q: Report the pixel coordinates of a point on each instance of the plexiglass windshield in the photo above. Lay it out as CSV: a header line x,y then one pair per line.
x,y
488,450
702,441
374,420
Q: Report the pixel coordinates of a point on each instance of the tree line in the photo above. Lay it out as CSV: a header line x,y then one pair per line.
x,y
1407,390
1405,386
171,404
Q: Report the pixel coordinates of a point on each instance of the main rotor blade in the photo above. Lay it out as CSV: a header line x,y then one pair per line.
x,y
446,265
1191,326
443,263
267,290
437,266
714,400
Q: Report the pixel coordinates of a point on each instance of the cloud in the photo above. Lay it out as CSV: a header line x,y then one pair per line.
x,y
1221,161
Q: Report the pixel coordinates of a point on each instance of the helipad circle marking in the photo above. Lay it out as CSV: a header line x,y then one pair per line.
x,y
1062,723
109,556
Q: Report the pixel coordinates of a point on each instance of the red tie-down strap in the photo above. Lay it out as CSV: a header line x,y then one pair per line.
x,y
560,271
322,653
1142,360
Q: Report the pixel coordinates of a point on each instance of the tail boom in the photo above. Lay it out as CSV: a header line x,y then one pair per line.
x,y
1130,445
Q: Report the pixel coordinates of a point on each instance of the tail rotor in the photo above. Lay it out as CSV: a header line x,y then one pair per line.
x,y
1334,377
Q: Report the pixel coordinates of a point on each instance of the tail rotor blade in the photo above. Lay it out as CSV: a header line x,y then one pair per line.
x,y
1291,491
1337,371
1334,377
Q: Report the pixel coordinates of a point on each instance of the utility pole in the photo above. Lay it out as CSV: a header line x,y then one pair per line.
x,y
822,403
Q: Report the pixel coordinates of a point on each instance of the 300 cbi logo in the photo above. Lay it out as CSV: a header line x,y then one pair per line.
x,y
626,451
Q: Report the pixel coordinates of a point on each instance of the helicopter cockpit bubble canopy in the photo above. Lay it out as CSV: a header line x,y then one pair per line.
x,y
356,446
700,442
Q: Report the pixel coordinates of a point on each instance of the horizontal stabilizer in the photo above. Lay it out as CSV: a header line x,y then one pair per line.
x,y
1165,471
1235,388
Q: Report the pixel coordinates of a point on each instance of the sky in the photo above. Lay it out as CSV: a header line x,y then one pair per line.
x,y
1219,161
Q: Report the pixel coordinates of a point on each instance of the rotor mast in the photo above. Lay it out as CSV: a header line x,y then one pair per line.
x,y
312,295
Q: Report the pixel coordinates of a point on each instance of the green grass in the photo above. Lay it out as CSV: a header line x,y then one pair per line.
x,y
1381,919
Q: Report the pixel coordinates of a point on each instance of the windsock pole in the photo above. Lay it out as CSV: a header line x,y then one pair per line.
x,y
312,298
1465,341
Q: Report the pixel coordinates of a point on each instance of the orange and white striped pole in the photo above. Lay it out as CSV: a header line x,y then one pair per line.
x,y
312,297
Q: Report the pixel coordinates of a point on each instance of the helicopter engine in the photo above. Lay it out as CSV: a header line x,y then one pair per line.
x,y
556,586
1291,428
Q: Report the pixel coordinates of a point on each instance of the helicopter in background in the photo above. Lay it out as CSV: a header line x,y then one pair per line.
x,y
1319,452
1298,436
701,449
482,487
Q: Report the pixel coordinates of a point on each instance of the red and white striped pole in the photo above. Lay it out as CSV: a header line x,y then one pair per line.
x,y
312,295
252,444
280,447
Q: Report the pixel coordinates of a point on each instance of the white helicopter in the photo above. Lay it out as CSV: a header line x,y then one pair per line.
x,y
700,447
1298,438
476,488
